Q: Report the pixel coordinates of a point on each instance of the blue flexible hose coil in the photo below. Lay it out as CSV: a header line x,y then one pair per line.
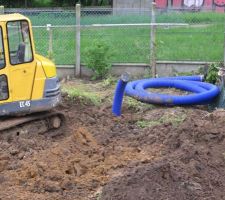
x,y
201,92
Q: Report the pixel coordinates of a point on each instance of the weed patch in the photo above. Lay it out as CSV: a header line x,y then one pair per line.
x,y
170,118
83,96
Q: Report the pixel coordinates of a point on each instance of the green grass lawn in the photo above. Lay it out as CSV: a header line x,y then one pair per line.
x,y
68,18
131,44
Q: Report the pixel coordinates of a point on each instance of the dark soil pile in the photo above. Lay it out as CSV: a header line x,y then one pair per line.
x,y
191,166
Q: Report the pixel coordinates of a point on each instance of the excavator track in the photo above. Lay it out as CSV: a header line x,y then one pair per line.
x,y
38,123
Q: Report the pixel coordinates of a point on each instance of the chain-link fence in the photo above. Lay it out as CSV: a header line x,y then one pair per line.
x,y
127,33
61,48
201,40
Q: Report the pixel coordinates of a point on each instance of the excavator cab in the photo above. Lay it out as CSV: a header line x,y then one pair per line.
x,y
28,81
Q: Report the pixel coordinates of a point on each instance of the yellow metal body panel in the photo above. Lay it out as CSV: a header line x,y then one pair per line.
x,y
49,66
13,17
39,83
26,81
21,78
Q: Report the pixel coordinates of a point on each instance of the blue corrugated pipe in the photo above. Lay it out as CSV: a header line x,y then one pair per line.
x,y
118,97
201,92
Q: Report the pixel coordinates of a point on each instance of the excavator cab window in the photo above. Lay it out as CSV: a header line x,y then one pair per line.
x,y
19,42
2,53
4,94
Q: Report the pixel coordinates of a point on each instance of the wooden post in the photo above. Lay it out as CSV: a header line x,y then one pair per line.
x,y
153,41
50,42
77,56
1,10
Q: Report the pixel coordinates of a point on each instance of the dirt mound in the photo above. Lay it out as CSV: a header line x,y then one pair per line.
x,y
72,163
191,166
154,153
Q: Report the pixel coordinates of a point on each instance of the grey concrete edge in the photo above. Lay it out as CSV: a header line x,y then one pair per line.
x,y
164,68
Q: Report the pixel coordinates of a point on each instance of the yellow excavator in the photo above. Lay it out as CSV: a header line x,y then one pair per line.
x,y
29,87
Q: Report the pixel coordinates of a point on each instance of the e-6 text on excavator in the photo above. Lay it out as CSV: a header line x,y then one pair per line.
x,y
28,81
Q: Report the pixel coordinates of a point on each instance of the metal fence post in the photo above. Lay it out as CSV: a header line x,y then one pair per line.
x,y
153,41
169,5
1,10
77,56
50,41
224,52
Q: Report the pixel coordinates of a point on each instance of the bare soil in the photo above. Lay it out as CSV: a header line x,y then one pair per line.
x,y
97,156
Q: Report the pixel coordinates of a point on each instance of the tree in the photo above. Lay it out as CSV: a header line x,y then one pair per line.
x,y
53,3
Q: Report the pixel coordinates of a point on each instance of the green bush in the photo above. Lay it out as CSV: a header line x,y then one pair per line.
x,y
97,58
212,74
